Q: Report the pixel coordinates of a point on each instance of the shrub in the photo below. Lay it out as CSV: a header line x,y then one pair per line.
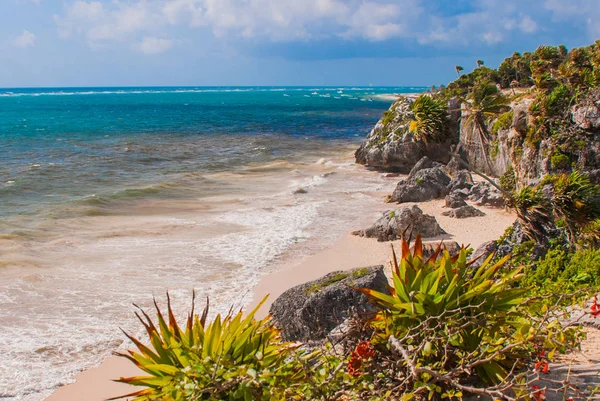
x,y
503,122
508,181
232,358
430,119
562,272
560,161
448,322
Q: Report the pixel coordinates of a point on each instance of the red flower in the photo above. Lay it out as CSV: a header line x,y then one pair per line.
x,y
537,394
542,366
354,365
364,350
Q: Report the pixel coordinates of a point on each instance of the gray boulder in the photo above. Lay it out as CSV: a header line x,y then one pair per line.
x,y
424,185
462,180
455,200
422,164
464,212
393,223
311,310
483,194
483,252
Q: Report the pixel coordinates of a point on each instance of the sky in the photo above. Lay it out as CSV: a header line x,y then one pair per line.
x,y
275,42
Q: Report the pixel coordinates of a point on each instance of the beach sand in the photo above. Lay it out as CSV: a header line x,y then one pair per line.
x,y
348,252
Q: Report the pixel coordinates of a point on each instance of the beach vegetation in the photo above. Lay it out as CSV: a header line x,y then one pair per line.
x,y
503,122
430,119
234,357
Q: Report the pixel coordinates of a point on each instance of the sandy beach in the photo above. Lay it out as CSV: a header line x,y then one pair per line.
x,y
346,253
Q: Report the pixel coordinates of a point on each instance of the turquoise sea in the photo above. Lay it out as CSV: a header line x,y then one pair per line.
x,y
109,196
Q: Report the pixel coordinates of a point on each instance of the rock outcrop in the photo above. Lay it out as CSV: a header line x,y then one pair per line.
x,y
311,310
422,185
514,142
409,219
390,145
464,212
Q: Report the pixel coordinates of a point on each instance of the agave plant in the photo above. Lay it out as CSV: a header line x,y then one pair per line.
x,y
233,358
444,291
430,118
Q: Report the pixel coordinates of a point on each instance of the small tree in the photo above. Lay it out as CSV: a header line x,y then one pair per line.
x,y
459,69
480,63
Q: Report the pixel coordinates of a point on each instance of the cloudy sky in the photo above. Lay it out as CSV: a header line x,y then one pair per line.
x,y
274,42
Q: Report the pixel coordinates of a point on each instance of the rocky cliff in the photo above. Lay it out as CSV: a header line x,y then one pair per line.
x,y
538,113
391,146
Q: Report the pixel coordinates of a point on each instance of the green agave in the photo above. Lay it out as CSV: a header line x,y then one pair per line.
x,y
234,357
447,289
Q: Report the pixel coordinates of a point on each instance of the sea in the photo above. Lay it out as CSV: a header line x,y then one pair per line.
x,y
113,196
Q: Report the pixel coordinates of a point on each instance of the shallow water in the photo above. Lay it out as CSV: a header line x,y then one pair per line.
x,y
107,199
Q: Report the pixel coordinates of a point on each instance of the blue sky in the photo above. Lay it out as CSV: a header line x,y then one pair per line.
x,y
274,42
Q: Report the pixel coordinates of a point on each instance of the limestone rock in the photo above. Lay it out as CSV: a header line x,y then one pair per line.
x,y
483,252
311,310
393,223
455,200
464,212
424,185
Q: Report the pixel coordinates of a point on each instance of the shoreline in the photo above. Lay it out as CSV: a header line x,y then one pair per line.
x,y
345,253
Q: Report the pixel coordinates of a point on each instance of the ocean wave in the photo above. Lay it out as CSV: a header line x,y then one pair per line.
x,y
182,90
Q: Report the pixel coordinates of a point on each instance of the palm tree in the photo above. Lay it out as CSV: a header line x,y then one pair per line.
x,y
480,63
459,69
429,118
485,102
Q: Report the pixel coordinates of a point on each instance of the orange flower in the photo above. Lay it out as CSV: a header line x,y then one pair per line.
x,y
542,366
354,365
364,350
538,394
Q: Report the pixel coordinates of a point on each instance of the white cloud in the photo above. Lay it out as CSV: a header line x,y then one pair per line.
x,y
26,39
150,45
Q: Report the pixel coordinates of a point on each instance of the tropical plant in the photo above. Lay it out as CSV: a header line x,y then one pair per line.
x,y
575,202
483,103
430,116
446,322
480,63
233,358
459,69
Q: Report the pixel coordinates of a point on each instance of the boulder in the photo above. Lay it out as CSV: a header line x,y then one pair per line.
x,y
483,194
483,252
455,200
424,185
393,223
462,180
311,310
464,212
422,164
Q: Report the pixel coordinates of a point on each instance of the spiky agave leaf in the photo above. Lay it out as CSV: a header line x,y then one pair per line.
x,y
225,343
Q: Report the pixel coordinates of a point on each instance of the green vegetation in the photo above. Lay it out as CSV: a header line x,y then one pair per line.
x,y
508,181
333,279
572,210
560,161
430,114
562,272
232,358
503,122
446,330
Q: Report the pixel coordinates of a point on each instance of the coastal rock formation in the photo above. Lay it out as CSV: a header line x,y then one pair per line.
x,y
390,145
422,185
464,212
461,180
393,223
311,310
484,194
455,199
